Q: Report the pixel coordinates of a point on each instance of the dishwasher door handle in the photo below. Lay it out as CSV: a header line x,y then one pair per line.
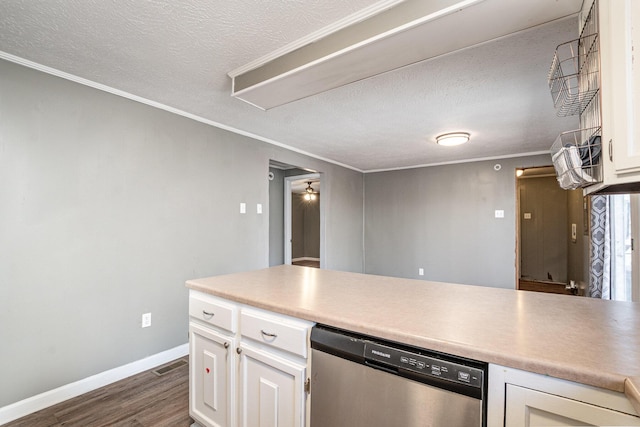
x,y
381,367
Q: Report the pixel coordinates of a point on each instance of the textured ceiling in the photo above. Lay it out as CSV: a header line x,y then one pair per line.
x,y
177,53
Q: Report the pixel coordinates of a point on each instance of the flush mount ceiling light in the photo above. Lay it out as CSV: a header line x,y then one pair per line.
x,y
382,37
451,139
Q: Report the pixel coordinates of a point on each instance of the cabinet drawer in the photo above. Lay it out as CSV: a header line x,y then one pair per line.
x,y
284,333
212,310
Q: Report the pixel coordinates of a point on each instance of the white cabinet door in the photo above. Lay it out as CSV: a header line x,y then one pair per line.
x,y
530,408
271,389
211,379
620,86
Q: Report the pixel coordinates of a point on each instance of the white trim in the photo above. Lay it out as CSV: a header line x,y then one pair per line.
x,y
310,39
635,253
287,220
347,21
455,162
305,258
48,398
54,72
363,233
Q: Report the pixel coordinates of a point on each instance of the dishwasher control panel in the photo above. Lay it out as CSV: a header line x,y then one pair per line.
x,y
423,365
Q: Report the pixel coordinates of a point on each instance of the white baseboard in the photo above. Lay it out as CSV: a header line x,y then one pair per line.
x,y
48,398
305,258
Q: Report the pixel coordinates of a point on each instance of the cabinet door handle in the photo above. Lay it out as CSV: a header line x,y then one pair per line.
x,y
238,350
267,334
206,313
611,150
226,345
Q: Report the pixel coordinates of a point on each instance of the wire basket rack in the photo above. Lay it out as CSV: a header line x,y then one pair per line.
x,y
576,158
573,77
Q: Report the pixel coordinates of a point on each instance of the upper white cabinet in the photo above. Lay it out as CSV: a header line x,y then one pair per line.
x,y
596,78
619,33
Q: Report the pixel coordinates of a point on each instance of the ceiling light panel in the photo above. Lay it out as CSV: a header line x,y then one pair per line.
x,y
452,139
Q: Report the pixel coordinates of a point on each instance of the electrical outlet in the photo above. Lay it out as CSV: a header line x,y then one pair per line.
x,y
421,271
243,208
146,320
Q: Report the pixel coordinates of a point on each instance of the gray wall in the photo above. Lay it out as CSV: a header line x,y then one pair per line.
x,y
305,227
312,228
297,227
442,219
107,207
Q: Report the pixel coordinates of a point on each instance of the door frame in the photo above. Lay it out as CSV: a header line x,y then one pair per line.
x,y
287,215
635,252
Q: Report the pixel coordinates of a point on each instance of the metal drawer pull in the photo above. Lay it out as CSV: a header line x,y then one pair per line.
x,y
226,345
238,350
267,334
206,313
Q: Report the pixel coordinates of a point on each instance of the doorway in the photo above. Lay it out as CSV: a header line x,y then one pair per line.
x,y
556,245
552,239
302,209
296,216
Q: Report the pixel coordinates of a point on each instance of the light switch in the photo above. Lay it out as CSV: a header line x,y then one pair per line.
x,y
421,271
243,208
259,208
499,213
146,320
574,232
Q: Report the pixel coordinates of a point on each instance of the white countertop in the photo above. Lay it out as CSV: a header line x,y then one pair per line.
x,y
589,341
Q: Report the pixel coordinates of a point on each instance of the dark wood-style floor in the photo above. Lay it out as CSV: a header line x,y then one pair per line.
x,y
307,263
142,400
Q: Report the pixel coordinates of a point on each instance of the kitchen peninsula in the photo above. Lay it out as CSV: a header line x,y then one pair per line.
x,y
591,342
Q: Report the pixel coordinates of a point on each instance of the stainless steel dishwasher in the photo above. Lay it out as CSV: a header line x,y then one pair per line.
x,y
363,381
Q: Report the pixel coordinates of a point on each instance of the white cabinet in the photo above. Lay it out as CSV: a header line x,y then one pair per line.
x,y
277,332
619,33
271,389
212,360
211,377
524,399
248,367
531,408
273,369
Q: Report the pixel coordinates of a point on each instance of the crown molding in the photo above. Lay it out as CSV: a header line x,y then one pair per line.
x,y
104,88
